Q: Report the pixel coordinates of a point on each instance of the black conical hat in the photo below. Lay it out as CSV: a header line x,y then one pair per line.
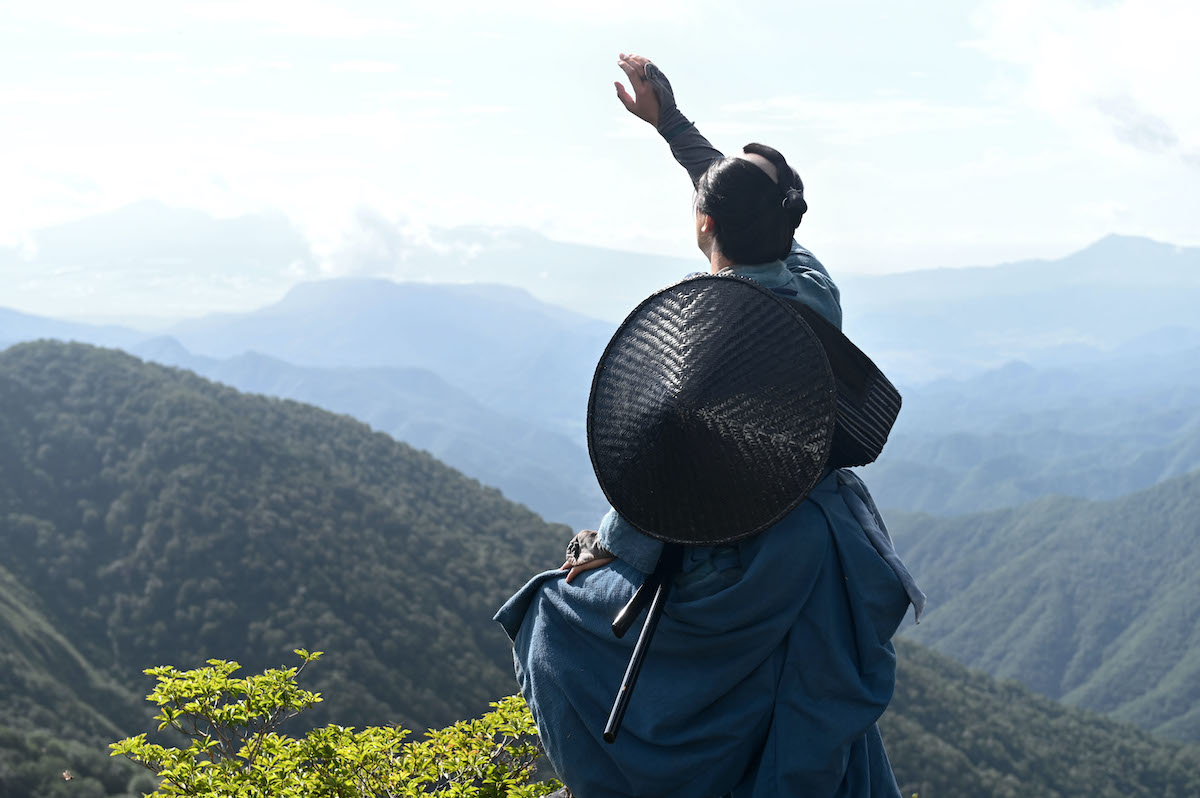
x,y
867,402
712,411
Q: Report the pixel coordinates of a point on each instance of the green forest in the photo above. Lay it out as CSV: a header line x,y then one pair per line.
x,y
1089,602
151,517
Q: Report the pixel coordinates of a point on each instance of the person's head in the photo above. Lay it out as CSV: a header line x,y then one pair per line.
x,y
749,206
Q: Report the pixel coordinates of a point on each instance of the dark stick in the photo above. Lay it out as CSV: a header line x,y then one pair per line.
x,y
633,609
635,662
658,585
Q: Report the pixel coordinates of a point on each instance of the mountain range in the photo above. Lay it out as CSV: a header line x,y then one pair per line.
x,y
924,325
150,516
494,381
511,352
920,325
1094,603
1098,429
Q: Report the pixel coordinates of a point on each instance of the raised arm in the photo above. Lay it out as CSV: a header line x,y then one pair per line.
x,y
653,101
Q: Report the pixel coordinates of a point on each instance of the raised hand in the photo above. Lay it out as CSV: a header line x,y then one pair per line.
x,y
644,102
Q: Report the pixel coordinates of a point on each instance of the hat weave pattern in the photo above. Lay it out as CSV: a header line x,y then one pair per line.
x,y
712,412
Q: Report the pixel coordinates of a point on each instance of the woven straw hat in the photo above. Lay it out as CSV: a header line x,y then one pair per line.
x,y
712,411
867,402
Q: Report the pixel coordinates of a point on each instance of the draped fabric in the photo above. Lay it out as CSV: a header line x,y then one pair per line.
x,y
769,669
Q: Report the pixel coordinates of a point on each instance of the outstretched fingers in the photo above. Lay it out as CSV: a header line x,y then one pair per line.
x,y
643,103
640,62
635,73
624,96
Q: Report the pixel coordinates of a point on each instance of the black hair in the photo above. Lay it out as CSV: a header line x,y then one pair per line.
x,y
754,216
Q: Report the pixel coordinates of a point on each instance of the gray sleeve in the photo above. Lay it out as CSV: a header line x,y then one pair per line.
x,y
693,152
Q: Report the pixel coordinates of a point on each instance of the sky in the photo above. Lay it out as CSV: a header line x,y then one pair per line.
x,y
929,134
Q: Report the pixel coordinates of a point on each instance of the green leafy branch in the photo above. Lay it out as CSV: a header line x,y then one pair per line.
x,y
235,748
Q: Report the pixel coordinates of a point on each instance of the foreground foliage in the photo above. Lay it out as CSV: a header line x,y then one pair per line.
x,y
235,748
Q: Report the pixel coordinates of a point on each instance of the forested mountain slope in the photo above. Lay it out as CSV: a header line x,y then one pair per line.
x,y
149,516
1096,603
161,518
956,733
16,326
548,471
56,708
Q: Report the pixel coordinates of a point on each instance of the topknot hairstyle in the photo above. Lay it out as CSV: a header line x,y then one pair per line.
x,y
755,217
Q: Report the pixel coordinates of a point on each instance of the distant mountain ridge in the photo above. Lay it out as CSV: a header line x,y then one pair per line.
x,y
1098,430
16,326
951,322
1113,257
920,325
512,353
130,253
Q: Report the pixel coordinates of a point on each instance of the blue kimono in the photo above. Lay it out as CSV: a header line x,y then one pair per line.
x,y
770,665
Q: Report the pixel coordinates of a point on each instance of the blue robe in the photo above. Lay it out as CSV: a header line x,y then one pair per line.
x,y
770,666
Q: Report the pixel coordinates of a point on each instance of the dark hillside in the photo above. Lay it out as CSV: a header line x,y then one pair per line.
x,y
547,471
150,517
162,518
1094,603
956,733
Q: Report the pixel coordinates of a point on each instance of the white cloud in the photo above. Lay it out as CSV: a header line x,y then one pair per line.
x,y
377,246
858,119
151,56
1126,70
99,27
366,67
309,18
625,12
414,94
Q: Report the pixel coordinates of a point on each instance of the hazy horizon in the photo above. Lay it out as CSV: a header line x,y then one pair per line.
x,y
424,264
929,134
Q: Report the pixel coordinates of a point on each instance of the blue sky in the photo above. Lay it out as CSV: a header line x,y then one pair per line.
x,y
928,133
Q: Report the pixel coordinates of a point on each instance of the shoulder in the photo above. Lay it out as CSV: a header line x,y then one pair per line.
x,y
813,285
799,258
